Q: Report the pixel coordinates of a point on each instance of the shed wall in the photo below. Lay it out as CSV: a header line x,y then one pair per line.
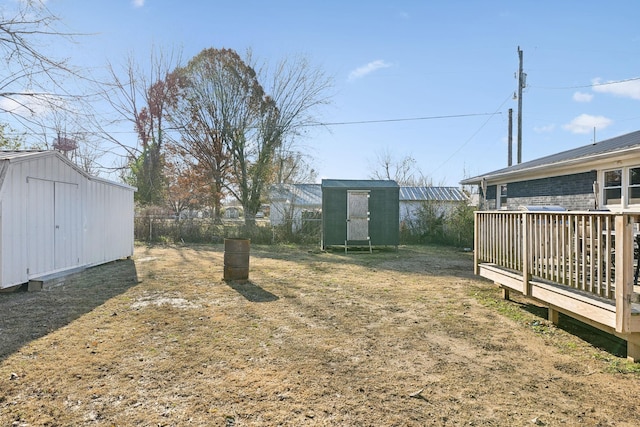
x,y
384,215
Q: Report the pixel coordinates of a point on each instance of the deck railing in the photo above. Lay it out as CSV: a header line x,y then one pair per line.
x,y
574,249
578,263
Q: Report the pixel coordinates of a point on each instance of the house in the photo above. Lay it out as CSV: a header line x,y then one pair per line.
x,y
293,201
602,175
561,230
55,218
360,213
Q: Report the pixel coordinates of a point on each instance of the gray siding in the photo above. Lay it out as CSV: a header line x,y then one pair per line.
x,y
573,192
490,199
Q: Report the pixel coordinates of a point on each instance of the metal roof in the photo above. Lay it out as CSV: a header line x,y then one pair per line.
x,y
298,194
311,194
606,147
441,194
12,154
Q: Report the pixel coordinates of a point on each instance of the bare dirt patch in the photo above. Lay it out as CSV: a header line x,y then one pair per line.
x,y
406,338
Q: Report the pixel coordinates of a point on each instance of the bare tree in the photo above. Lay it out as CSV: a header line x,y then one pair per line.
x,y
31,80
141,98
208,105
296,90
404,171
229,121
293,166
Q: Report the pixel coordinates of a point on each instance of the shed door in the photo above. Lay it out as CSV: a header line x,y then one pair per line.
x,y
357,215
66,225
53,228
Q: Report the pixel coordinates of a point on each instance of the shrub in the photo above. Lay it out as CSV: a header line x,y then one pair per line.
x,y
434,224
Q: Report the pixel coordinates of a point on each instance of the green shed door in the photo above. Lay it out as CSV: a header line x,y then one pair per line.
x,y
357,215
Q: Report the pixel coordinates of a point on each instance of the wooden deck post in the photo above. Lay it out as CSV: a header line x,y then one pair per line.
x,y
624,272
476,243
633,347
526,250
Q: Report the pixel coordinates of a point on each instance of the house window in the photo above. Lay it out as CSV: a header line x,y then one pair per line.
x,y
613,187
634,186
503,196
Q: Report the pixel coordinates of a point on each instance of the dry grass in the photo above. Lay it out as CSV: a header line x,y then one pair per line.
x,y
313,339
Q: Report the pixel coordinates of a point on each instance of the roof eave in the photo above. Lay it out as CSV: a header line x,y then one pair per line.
x,y
586,161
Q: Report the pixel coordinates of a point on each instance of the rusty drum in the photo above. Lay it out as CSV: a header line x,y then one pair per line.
x,y
236,259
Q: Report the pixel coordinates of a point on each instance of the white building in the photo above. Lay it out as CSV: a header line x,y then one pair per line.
x,y
54,217
444,199
290,201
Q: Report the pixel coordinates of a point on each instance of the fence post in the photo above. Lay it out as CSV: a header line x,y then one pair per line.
x,y
476,243
623,272
526,289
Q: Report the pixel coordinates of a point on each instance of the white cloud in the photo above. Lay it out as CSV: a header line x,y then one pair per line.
x,y
30,105
545,129
585,123
368,69
582,97
137,3
625,89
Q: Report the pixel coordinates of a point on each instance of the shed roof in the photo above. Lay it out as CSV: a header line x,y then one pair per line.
x,y
358,183
608,147
12,156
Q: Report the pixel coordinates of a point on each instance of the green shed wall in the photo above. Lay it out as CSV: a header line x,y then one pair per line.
x,y
384,215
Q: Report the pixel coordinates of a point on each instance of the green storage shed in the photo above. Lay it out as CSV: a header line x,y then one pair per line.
x,y
360,213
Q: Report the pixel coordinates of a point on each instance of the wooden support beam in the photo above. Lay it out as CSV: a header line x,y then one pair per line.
x,y
526,250
505,293
624,272
633,347
476,243
553,315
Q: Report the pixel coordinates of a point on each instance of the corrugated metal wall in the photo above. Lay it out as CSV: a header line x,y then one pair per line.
x,y
54,218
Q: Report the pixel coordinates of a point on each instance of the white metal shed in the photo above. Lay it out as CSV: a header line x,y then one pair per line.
x,y
54,217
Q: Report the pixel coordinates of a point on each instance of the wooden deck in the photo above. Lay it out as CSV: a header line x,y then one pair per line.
x,y
581,264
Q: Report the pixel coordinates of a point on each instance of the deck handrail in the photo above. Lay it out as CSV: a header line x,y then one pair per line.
x,y
591,252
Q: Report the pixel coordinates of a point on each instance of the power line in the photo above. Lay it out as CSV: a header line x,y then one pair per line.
x,y
587,86
453,116
474,134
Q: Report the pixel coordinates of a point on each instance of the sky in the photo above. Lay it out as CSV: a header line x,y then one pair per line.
x,y
432,80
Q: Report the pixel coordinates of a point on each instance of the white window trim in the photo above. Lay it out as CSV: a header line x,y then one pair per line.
x,y
499,196
624,202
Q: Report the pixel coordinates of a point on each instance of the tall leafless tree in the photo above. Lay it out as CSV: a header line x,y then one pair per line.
x,y
404,171
249,114
31,79
140,96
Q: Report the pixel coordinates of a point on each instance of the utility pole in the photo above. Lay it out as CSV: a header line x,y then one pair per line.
x,y
521,84
510,143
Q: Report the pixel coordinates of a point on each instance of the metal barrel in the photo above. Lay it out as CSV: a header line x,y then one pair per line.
x,y
236,259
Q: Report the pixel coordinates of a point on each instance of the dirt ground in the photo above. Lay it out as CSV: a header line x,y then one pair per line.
x,y
393,338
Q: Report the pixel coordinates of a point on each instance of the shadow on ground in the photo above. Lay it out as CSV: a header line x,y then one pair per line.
x,y
27,316
594,336
251,291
